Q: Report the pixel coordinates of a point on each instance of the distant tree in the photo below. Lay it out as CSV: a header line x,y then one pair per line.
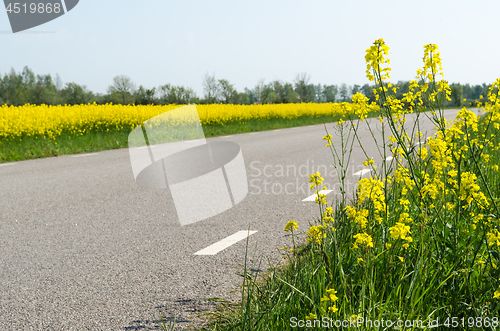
x,y
271,97
268,95
227,92
330,93
255,94
43,91
456,94
74,94
485,88
266,90
242,99
302,86
250,95
318,93
467,91
59,86
279,90
144,96
355,89
477,89
178,95
258,90
14,86
402,88
29,78
211,88
123,87
344,93
290,94
58,82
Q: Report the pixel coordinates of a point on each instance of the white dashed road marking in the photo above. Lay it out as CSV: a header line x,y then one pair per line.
x,y
361,172
6,164
254,132
80,155
225,243
192,141
313,197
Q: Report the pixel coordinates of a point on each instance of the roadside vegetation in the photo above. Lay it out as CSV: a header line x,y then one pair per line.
x,y
31,131
417,246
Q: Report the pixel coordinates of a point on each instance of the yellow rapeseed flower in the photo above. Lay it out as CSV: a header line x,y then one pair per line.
x,y
290,226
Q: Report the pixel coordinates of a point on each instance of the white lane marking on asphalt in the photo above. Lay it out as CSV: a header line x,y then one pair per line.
x,y
80,155
226,136
361,172
254,132
225,243
192,141
277,130
389,158
6,164
313,197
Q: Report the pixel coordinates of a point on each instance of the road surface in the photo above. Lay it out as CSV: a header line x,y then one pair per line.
x,y
83,247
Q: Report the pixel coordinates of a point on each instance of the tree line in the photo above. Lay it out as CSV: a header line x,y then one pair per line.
x,y
26,87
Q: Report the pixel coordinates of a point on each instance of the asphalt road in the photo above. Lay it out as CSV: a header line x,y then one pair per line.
x,y
83,247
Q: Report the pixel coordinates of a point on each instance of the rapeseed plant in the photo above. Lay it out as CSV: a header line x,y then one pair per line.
x,y
420,238
51,121
425,210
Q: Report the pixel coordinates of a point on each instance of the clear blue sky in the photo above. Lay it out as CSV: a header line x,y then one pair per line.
x,y
158,42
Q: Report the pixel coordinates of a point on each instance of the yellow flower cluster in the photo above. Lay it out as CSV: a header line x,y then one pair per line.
x,y
402,175
363,239
362,109
330,296
358,216
311,316
368,162
432,60
469,190
493,238
315,180
328,138
290,226
400,231
51,121
327,216
496,295
316,233
375,57
441,154
373,189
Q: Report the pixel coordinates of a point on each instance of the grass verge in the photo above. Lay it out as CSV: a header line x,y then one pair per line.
x,y
26,148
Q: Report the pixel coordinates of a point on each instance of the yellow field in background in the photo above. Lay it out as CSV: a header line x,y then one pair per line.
x,y
51,121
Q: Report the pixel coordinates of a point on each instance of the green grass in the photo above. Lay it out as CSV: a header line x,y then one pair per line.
x,y
26,148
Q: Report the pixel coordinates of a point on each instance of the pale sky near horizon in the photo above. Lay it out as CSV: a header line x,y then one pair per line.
x,y
159,42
